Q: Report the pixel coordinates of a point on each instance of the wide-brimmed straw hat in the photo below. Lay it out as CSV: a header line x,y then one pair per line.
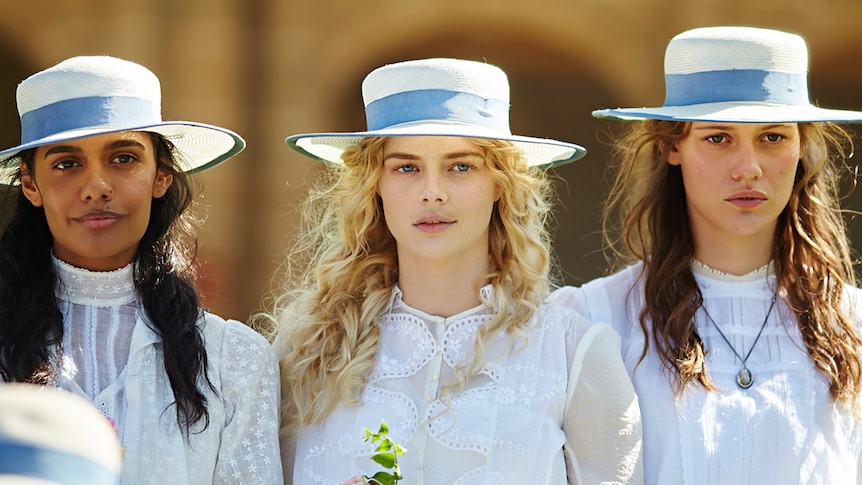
x,y
735,74
94,95
437,97
49,436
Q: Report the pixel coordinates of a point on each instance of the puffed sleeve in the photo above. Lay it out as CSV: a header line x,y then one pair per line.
x,y
602,421
249,451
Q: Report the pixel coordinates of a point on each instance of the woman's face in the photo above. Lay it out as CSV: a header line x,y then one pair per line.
x,y
97,194
438,196
738,179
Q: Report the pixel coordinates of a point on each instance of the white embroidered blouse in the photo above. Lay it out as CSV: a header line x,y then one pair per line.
x,y
783,429
110,355
557,408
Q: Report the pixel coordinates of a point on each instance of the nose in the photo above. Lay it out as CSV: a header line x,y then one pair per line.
x,y
432,189
97,185
746,165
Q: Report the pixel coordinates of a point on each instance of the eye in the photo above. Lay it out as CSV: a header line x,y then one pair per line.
x,y
773,137
124,158
716,138
65,164
462,167
406,168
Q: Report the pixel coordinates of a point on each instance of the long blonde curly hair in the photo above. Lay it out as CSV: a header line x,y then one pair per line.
x,y
811,251
340,273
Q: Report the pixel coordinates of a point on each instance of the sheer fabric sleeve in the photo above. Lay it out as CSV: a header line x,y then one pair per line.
x,y
249,450
287,444
602,421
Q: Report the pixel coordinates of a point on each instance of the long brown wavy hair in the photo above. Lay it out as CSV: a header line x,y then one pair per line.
x,y
811,252
340,273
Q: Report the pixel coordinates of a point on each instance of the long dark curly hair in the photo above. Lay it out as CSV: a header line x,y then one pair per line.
x,y
31,323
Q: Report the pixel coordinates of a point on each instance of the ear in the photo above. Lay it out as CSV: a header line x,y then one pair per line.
x,y
28,186
498,192
671,151
162,183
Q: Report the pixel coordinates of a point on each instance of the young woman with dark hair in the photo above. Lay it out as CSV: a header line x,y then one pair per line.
x,y
96,279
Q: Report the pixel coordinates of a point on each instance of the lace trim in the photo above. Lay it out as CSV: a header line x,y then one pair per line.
x,y
94,288
759,273
396,301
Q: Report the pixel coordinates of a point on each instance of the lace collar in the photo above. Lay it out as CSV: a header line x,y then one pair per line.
x,y
94,288
758,274
486,294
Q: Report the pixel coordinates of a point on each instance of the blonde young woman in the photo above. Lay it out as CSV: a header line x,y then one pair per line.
x,y
739,317
423,302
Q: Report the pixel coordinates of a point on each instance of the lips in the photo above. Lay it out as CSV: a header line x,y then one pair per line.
x,y
747,199
433,223
98,219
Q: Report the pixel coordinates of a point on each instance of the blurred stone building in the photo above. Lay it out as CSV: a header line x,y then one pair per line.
x,y
271,68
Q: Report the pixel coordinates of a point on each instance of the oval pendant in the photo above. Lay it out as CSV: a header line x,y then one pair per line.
x,y
744,378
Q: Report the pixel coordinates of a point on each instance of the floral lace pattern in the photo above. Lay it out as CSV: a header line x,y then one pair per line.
x,y
94,288
504,427
113,357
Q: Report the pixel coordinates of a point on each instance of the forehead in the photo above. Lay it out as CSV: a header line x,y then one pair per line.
x,y
106,141
430,146
742,127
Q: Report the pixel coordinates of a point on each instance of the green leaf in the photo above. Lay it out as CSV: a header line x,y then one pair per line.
x,y
385,445
382,478
387,460
387,456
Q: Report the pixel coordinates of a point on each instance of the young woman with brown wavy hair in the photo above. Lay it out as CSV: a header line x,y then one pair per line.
x,y
420,300
738,313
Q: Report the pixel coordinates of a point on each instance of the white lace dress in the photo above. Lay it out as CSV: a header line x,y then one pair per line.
x,y
111,356
556,409
784,429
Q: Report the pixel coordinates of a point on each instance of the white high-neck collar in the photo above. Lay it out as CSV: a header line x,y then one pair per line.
x,y
757,274
94,288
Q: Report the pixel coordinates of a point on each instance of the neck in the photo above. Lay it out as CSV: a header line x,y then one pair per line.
x,y
442,290
738,257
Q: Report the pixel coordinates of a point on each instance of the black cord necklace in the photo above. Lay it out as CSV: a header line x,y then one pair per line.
x,y
744,377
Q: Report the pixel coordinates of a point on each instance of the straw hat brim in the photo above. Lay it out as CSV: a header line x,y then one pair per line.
x,y
198,146
539,152
734,113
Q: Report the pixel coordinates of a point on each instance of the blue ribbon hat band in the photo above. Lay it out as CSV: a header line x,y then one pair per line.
x,y
755,86
29,461
86,112
437,104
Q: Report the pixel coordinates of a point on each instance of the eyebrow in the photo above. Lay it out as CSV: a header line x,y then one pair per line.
x,y
728,127
113,145
448,156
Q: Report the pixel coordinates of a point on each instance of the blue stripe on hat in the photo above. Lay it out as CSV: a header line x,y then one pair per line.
x,y
89,112
56,466
736,86
437,105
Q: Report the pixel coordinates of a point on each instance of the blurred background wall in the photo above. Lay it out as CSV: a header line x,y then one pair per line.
x,y
271,68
